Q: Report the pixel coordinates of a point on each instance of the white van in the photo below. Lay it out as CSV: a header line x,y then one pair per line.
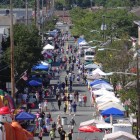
x,y
89,54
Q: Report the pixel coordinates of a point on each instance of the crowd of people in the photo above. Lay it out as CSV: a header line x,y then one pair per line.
x,y
66,98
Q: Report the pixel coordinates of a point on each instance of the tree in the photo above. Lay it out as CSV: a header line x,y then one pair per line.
x,y
27,49
119,22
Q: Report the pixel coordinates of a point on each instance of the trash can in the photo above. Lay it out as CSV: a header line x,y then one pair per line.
x,y
64,120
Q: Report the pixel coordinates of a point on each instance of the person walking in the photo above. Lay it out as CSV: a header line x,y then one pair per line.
x,y
80,100
52,134
69,135
59,103
74,108
72,124
62,134
65,107
66,80
85,99
40,135
58,120
70,108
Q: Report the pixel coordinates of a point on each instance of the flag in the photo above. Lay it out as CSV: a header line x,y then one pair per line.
x,y
25,77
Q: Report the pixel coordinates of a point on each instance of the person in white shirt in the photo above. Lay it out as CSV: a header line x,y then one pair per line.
x,y
70,108
40,107
80,99
71,98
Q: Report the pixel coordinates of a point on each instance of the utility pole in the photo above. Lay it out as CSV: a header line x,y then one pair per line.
x,y
42,21
35,12
26,3
12,50
91,4
38,15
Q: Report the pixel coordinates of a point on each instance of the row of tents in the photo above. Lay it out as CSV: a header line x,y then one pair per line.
x,y
108,106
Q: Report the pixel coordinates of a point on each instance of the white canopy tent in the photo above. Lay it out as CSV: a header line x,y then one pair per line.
x,y
104,125
111,104
103,85
93,77
45,63
48,47
83,43
91,66
100,72
106,98
120,135
101,92
92,122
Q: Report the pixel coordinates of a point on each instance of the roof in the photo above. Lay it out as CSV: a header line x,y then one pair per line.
x,y
19,12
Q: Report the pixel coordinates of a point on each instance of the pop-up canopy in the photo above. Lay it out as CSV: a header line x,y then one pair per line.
x,y
111,104
25,116
112,111
102,92
106,98
98,81
119,135
92,66
48,47
34,83
40,67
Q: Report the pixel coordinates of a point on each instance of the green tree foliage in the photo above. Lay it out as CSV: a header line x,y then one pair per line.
x,y
119,22
27,49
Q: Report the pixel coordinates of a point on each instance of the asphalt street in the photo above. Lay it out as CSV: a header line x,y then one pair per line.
x,y
83,113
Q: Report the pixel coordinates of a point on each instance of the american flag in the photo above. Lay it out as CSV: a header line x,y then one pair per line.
x,y
25,76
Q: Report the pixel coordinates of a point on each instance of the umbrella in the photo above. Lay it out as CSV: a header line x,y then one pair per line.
x,y
25,116
103,85
89,129
112,111
34,83
98,81
92,66
41,67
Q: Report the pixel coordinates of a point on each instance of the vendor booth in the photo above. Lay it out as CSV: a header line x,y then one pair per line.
x,y
24,120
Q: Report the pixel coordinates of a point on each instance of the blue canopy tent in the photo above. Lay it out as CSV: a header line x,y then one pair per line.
x,y
80,40
98,81
25,116
36,79
34,83
40,67
112,111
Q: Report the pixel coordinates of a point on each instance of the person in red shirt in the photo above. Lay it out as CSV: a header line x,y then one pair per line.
x,y
85,99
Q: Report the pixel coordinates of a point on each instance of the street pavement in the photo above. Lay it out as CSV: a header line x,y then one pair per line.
x,y
83,113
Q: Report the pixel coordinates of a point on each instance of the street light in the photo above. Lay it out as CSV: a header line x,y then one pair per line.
x,y
12,50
